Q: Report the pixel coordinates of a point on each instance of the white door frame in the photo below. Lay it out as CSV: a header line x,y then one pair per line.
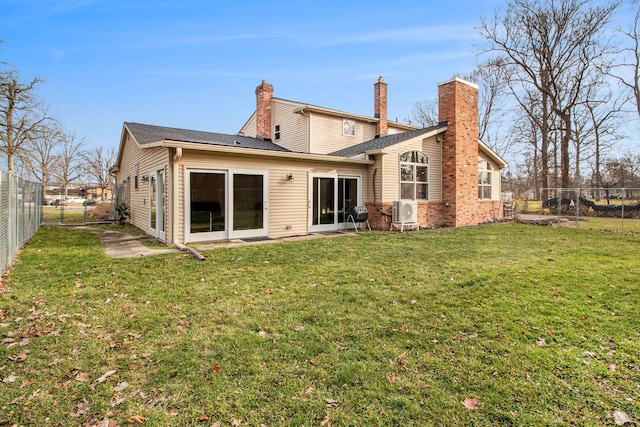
x,y
228,232
204,236
157,186
358,179
254,232
333,226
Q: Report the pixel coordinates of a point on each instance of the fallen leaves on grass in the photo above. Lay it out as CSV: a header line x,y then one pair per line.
x,y
82,377
331,403
136,419
10,379
81,409
471,404
622,418
121,386
105,376
18,357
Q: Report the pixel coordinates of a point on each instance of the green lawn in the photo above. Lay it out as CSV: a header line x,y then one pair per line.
x,y
529,325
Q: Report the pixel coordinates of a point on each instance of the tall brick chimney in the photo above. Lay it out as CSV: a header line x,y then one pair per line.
x,y
380,106
264,93
458,106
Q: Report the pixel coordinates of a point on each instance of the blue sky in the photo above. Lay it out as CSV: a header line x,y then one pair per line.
x,y
196,64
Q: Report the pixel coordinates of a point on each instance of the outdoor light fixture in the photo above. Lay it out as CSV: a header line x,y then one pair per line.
x,y
290,177
144,178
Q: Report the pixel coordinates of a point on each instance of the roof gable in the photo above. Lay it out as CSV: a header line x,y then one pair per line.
x,y
387,141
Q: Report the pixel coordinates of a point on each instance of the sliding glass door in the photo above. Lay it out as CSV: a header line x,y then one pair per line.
x,y
331,197
225,205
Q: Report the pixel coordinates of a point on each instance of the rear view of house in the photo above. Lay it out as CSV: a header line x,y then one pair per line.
x,y
296,168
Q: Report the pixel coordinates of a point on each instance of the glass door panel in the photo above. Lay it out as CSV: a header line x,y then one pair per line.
x,y
323,204
207,205
156,205
154,198
323,198
347,196
248,205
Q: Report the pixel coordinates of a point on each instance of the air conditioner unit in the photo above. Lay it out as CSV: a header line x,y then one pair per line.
x,y
405,212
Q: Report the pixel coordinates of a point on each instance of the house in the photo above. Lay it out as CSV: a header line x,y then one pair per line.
x,y
295,168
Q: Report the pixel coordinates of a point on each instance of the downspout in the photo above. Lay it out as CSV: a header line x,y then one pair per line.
x,y
176,207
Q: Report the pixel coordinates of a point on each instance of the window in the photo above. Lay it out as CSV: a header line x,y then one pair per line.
x,y
135,176
484,179
277,132
348,127
414,176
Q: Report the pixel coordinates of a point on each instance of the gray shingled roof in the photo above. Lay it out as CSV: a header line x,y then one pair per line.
x,y
146,134
385,141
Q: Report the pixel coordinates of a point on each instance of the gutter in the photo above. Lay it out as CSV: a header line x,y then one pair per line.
x,y
263,153
176,207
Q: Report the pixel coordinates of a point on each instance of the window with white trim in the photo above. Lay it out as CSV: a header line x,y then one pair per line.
x,y
348,127
414,176
484,179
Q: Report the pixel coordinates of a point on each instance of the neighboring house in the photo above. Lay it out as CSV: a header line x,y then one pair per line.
x,y
295,168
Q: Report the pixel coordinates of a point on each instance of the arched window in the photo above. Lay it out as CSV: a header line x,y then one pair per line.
x,y
484,179
414,176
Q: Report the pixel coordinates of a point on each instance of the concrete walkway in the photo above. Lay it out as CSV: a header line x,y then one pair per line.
x,y
123,245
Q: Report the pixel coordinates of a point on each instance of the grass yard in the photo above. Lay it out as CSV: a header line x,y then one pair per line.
x,y
496,325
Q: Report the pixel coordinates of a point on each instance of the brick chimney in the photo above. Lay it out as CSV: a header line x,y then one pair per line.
x,y
458,106
380,106
264,93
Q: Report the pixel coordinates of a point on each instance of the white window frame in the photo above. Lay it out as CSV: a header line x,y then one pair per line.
x,y
485,179
414,181
349,127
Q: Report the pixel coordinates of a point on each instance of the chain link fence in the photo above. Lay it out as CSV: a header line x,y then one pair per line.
x,y
614,209
77,204
20,214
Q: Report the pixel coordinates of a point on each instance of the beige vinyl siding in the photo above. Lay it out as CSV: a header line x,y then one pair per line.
x,y
326,133
148,159
391,168
392,130
249,128
495,177
288,201
294,127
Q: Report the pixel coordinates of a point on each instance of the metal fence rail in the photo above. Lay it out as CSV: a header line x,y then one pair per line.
x,y
20,214
605,208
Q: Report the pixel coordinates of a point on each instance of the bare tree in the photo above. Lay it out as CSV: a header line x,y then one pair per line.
x,y
39,154
424,113
22,115
627,72
554,46
96,166
492,78
69,162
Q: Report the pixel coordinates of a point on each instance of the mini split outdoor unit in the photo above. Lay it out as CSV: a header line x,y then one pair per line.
x,y
405,212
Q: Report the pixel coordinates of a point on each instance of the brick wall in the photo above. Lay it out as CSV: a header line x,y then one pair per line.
x,y
458,106
380,106
264,93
